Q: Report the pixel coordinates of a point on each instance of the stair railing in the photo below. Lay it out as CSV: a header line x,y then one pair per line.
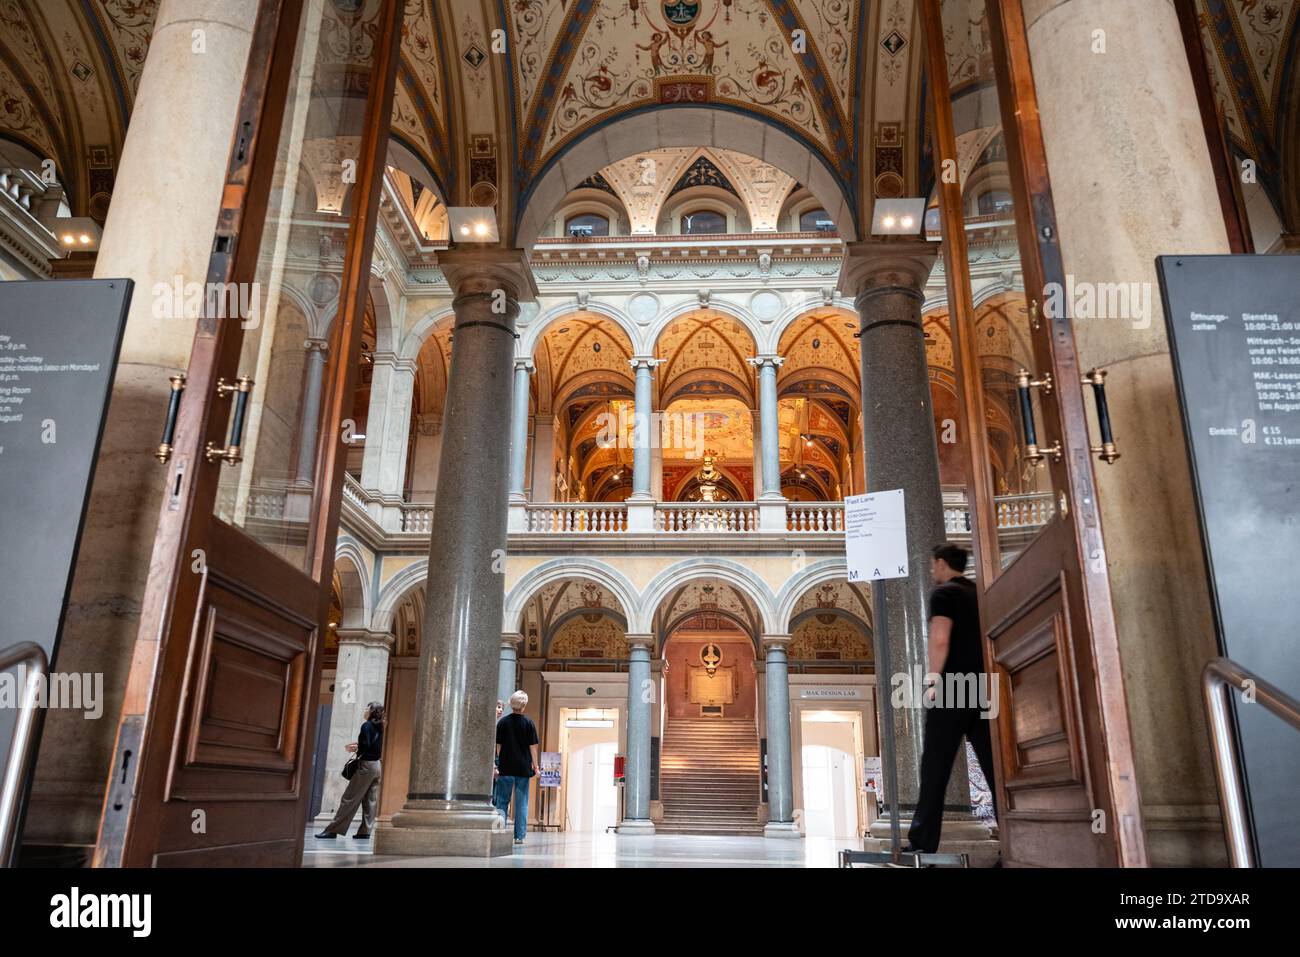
x,y
1217,681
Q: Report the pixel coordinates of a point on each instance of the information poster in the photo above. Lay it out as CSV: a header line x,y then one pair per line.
x,y
550,770
1234,333
59,342
875,536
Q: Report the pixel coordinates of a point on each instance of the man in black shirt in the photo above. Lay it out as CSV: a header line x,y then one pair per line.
x,y
957,658
517,761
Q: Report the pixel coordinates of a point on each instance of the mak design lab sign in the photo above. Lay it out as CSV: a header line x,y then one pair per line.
x,y
875,536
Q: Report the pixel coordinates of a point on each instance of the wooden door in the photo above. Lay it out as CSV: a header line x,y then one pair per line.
x,y
1067,794
213,755
399,724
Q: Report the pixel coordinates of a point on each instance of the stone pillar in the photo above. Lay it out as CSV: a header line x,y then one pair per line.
x,y
424,463
360,677
317,358
640,698
640,504
164,187
769,417
519,430
1132,179
544,457
448,810
757,422
888,279
643,413
388,430
780,764
506,677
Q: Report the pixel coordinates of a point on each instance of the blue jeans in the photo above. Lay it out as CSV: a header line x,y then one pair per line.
x,y
506,784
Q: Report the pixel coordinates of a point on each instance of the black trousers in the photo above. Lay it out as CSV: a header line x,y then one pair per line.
x,y
944,729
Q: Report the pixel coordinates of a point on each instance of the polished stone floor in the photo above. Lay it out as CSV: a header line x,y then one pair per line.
x,y
573,849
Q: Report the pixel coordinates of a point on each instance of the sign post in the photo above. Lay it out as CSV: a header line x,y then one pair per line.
x,y
875,545
59,343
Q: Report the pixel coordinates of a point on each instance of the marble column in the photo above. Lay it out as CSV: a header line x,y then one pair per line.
x,y
424,463
317,358
447,809
388,430
780,764
519,430
1131,180
166,196
640,699
756,418
642,433
544,457
887,280
506,676
360,677
770,422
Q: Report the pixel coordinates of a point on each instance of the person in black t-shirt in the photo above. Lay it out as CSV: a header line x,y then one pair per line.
x,y
363,790
517,761
957,659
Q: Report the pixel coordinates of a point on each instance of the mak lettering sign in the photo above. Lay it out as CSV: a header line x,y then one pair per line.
x,y
875,536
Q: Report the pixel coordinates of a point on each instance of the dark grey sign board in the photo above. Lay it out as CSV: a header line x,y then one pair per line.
x,y
59,343
1234,334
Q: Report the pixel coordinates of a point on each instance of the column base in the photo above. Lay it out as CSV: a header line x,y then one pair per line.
x,y
637,828
782,830
640,514
444,829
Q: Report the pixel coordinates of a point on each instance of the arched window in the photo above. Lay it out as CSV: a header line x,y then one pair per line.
x,y
816,221
587,224
703,222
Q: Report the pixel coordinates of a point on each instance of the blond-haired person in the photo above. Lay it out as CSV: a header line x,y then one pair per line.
x,y
517,762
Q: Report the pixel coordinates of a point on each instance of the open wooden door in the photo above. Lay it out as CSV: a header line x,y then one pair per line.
x,y
1067,794
213,756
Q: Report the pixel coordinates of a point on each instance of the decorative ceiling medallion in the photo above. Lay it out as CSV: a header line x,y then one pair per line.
x,y
894,43
474,56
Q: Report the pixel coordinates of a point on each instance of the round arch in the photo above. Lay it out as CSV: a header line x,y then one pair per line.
x,y
748,321
770,342
670,125
558,569
531,336
691,569
818,573
349,567
396,592
414,340
386,333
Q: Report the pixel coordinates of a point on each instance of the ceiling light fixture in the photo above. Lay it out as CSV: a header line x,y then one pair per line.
x,y
474,224
897,217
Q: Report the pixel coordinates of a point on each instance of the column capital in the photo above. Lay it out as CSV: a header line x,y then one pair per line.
x,y
780,642
641,641
761,362
887,264
644,362
474,271
525,364
365,638
315,344
510,640
398,363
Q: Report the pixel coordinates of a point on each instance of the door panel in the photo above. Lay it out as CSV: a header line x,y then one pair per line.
x,y
1067,793
213,759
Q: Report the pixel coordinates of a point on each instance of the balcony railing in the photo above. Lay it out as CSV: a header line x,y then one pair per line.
x,y
1026,512
714,517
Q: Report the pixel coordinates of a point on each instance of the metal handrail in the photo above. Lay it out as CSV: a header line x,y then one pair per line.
x,y
1219,677
20,748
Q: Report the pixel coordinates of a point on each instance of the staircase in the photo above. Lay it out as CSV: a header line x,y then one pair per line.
x,y
710,777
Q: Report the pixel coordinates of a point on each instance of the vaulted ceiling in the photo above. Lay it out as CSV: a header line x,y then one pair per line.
x,y
491,93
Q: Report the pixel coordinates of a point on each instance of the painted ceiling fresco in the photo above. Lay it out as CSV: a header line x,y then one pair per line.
x,y
1254,58
578,62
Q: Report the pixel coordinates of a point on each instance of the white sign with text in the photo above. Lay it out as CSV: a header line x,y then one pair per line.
x,y
875,536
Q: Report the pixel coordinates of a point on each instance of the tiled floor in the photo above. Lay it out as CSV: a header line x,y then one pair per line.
x,y
572,849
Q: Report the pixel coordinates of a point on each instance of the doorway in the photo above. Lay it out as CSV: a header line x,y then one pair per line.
x,y
832,783
588,743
